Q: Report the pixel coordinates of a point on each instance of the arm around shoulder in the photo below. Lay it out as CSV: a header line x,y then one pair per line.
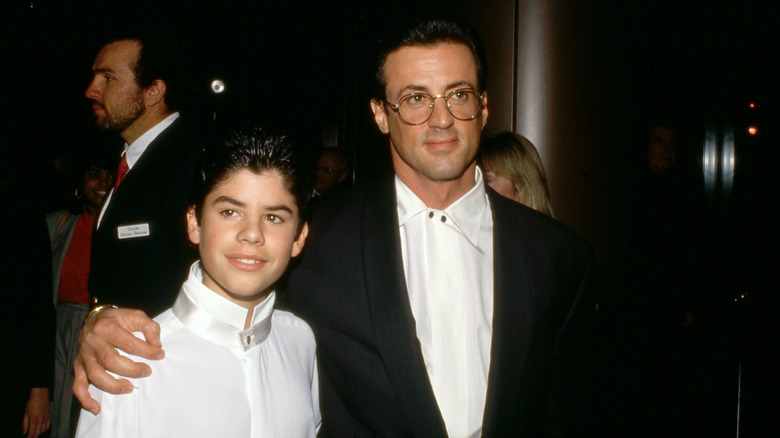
x,y
103,333
118,418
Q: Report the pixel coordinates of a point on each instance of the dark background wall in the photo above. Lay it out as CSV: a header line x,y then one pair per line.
x,y
608,68
583,79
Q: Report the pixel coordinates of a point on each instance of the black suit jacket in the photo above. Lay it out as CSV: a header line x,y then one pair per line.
x,y
350,286
147,272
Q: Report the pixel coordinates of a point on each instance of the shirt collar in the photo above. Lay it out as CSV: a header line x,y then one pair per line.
x,y
467,213
133,151
217,319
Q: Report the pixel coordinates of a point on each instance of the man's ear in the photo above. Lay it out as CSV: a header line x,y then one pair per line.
x,y
484,110
380,116
300,241
155,93
193,228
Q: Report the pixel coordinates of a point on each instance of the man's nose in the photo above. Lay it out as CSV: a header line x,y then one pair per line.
x,y
92,91
441,117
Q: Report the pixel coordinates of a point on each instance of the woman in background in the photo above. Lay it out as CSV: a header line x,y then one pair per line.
x,y
70,232
513,169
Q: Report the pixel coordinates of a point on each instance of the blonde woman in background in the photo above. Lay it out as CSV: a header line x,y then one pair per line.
x,y
513,169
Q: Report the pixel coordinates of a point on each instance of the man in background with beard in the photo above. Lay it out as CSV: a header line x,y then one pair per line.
x,y
140,243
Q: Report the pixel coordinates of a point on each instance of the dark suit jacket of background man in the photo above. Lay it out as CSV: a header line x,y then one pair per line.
x,y
147,272
350,287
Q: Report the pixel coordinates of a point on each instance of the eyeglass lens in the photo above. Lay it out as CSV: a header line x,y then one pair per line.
x,y
416,108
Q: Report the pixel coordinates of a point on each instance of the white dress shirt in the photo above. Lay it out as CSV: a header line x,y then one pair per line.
x,y
217,379
134,151
448,262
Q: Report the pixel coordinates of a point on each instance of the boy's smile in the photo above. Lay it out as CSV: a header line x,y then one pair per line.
x,y
248,232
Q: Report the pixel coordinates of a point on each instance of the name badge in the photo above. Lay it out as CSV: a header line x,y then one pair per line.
x,y
133,231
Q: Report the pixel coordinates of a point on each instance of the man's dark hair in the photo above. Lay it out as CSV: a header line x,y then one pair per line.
x,y
427,30
257,151
158,58
665,123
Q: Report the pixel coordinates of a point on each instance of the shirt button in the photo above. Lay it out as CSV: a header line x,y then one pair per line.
x,y
248,339
430,214
443,219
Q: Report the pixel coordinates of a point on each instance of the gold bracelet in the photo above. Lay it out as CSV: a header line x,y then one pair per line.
x,y
97,310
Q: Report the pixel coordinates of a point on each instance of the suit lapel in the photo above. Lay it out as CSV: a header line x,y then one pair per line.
x,y
391,314
141,177
512,314
139,182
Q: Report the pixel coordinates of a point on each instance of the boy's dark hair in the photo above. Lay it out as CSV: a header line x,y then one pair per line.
x,y
256,150
427,29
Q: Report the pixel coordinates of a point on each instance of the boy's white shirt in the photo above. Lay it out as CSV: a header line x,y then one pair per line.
x,y
218,379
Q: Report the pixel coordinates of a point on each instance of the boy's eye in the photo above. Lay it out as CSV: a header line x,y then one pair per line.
x,y
228,212
273,218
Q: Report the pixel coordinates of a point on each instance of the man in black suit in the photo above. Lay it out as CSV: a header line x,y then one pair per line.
x,y
140,251
439,307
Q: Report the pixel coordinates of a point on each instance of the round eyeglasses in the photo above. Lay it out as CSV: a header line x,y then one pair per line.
x,y
417,108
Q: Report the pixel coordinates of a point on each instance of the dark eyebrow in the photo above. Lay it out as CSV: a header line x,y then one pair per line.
x,y
229,200
460,84
413,87
280,208
238,203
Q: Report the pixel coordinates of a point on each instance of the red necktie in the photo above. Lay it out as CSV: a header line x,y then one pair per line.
x,y
121,172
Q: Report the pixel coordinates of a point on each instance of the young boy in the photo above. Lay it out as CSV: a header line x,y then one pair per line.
x,y
233,365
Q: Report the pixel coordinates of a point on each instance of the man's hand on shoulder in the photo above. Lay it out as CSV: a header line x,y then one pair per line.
x,y
103,333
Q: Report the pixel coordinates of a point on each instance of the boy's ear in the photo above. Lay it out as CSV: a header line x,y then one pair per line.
x,y
300,241
193,229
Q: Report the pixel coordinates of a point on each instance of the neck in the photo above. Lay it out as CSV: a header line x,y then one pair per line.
x,y
249,304
437,194
90,209
249,314
146,121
